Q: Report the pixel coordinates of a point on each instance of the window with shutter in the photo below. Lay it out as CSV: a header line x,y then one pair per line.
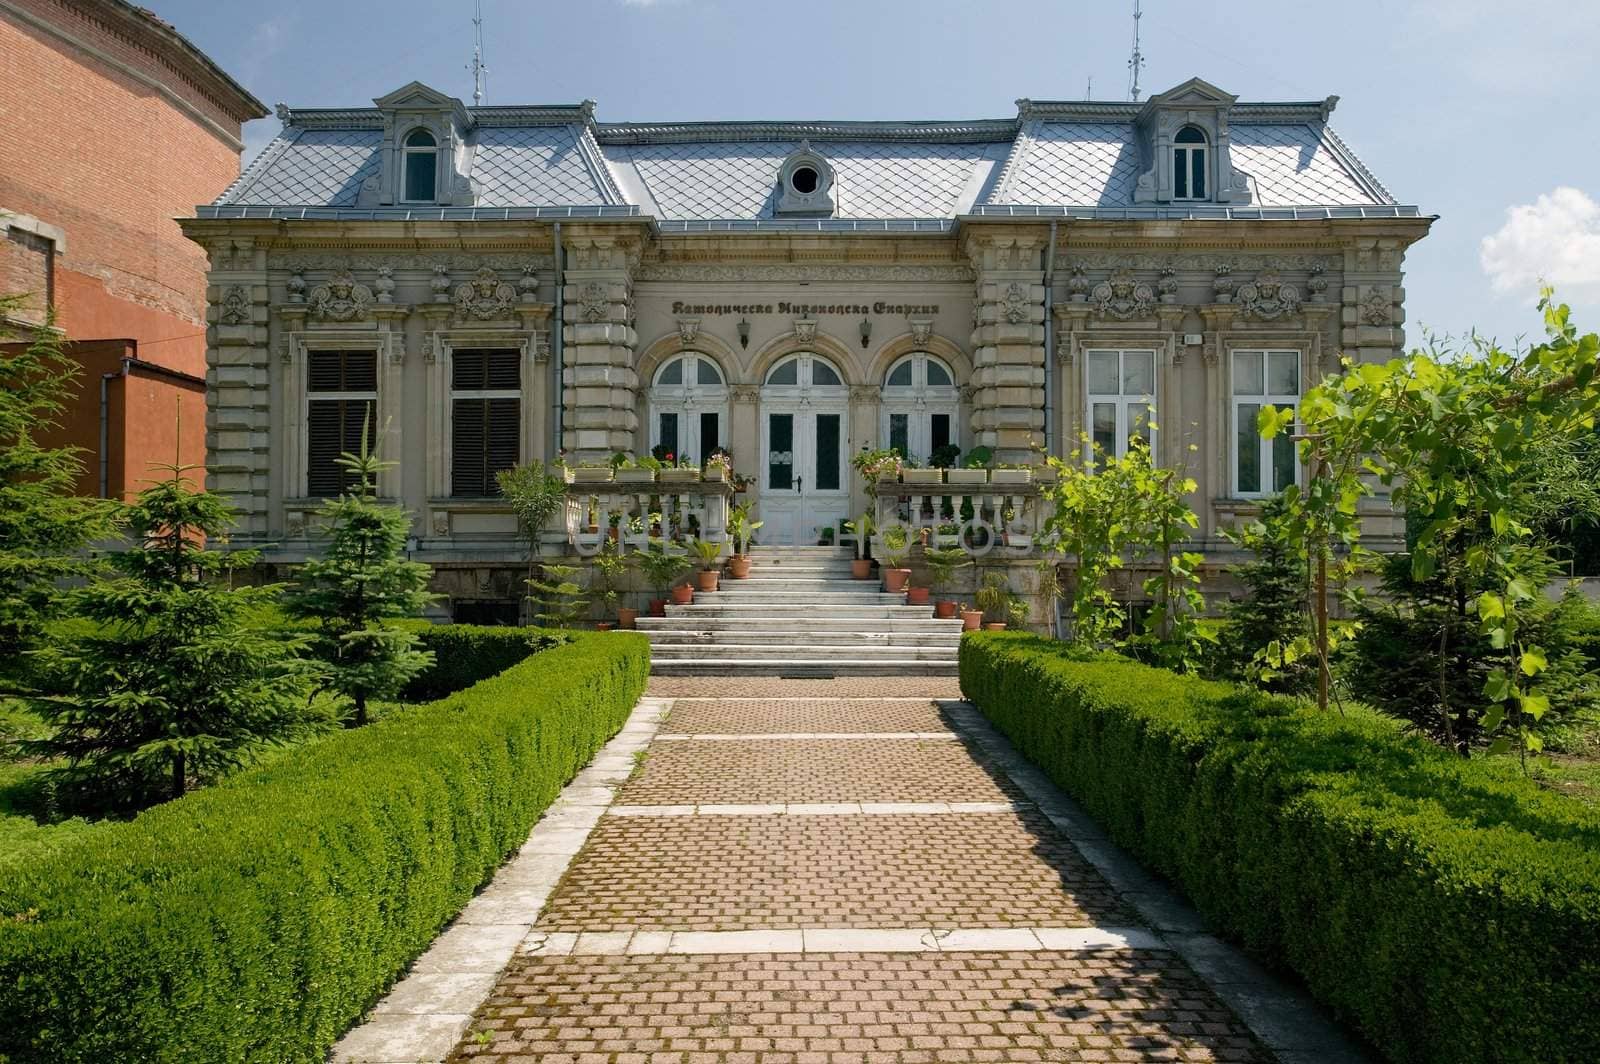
x,y
485,419
342,396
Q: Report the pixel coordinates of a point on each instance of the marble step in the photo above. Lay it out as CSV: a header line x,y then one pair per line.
x,y
801,669
819,620
810,652
744,634
757,612
760,596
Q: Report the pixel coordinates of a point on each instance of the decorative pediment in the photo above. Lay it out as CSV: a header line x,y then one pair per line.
x,y
1195,104
415,96
1192,93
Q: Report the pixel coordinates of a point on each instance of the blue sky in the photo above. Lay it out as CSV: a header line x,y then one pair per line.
x,y
1471,109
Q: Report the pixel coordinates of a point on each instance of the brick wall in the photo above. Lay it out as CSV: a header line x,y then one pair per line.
x,y
112,161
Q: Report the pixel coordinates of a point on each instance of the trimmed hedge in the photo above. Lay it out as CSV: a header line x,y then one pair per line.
x,y
257,919
1448,909
463,654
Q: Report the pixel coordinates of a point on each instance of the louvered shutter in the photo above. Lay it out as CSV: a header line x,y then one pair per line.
x,y
333,421
486,430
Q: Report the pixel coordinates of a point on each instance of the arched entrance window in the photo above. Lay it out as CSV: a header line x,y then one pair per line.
x,y
920,404
688,406
805,409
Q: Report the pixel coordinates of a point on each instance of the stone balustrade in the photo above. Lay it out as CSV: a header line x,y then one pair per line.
x,y
686,507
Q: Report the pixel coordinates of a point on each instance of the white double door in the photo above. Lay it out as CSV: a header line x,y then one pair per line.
x,y
805,486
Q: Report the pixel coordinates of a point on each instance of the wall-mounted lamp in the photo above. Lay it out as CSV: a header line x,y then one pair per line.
x,y
866,331
744,333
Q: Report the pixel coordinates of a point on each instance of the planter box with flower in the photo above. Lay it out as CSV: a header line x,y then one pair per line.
x,y
965,477
921,476
1010,477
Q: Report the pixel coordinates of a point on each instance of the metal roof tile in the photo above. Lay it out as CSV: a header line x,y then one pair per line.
x,y
533,166
320,167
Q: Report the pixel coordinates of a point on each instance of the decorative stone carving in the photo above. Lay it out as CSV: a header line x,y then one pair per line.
x,y
485,297
441,522
1268,298
541,348
1078,284
1376,309
440,282
745,393
1063,351
385,284
1123,296
921,330
342,298
805,330
235,306
1204,262
969,392
595,304
296,525
528,283
465,262
296,284
865,393
863,272
1317,285
1015,303
688,330
1167,286
1222,287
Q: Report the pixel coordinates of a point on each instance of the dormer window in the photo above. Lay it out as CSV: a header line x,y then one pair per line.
x,y
805,184
1189,164
804,180
421,167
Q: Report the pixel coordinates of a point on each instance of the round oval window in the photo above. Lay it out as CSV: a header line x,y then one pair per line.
x,y
804,180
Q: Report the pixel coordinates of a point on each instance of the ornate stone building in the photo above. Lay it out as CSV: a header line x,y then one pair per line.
x,y
502,283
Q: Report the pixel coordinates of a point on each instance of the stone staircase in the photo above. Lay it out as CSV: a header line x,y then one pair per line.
x,y
800,614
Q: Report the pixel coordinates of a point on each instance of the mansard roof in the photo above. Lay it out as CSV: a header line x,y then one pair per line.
x,y
1070,157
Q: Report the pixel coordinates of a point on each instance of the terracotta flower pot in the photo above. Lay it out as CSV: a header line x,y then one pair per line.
x,y
626,617
705,580
861,569
682,595
971,620
603,626
916,596
944,609
896,579
995,626
658,607
739,566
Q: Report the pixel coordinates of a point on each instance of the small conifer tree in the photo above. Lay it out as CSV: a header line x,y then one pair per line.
x,y
1274,607
362,581
177,684
45,527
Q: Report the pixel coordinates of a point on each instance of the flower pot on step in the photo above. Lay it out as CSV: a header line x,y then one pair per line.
x,y
944,609
971,620
895,580
626,617
739,566
603,626
658,607
705,580
995,626
916,596
682,595
861,569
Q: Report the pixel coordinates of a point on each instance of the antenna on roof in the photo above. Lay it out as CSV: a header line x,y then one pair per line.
x,y
1136,60
1088,90
477,67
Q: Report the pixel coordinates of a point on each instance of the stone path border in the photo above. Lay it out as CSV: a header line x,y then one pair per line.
x,y
744,737
815,809
425,1014
841,940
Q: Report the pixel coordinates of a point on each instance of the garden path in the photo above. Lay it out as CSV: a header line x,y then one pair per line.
x,y
820,872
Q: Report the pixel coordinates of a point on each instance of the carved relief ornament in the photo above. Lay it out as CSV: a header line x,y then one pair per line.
x,y
595,303
805,330
342,298
1015,303
1376,309
1123,296
235,306
688,331
485,297
921,330
1268,298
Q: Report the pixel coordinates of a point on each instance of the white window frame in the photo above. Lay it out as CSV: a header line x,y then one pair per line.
x,y
1265,398
485,393
689,400
407,150
1183,162
1124,403
919,401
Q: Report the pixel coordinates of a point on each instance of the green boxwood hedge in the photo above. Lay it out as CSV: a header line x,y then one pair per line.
x,y
463,654
257,919
1448,909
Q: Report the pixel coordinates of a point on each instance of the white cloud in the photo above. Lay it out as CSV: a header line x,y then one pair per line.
x,y
1555,239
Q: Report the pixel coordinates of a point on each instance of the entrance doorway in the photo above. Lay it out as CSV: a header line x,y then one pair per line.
x,y
804,425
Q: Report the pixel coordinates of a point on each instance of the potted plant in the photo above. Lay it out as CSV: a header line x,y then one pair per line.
x,y
942,566
971,619
662,569
590,474
675,470
741,528
606,572
947,535
719,467
944,457
641,472
994,598
1010,475
862,528
1017,611
880,466
910,474
896,545
710,552
973,470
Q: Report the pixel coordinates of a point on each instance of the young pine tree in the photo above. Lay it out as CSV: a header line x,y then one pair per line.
x,y
177,685
1275,604
45,528
362,581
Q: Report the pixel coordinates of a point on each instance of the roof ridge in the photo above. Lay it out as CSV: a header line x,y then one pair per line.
x,y
1014,158
1352,161
979,130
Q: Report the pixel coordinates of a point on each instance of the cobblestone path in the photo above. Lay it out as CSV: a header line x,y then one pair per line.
x,y
821,872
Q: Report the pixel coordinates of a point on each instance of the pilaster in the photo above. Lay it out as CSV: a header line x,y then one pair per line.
x,y
1372,301
238,361
599,383
1008,342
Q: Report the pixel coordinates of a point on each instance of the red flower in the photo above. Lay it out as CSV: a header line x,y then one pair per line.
x,y
671,457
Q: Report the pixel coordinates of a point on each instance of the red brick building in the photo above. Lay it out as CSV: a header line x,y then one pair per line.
x,y
112,125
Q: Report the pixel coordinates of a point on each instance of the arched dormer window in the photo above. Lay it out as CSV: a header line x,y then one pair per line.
x,y
421,167
1189,164
805,183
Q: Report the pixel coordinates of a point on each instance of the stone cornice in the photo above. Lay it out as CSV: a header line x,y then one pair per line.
x,y
1316,111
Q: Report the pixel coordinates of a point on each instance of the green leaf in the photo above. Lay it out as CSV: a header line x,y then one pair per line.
x,y
1533,661
1493,717
1534,705
1497,688
1490,606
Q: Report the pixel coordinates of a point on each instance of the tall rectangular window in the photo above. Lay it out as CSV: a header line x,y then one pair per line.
x,y
341,396
1122,399
780,452
485,419
828,445
1260,379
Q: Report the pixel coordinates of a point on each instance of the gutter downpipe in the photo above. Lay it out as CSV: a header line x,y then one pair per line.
x,y
1049,343
557,347
105,426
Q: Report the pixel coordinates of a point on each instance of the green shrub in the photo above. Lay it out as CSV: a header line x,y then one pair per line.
x,y
257,919
464,654
1448,909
